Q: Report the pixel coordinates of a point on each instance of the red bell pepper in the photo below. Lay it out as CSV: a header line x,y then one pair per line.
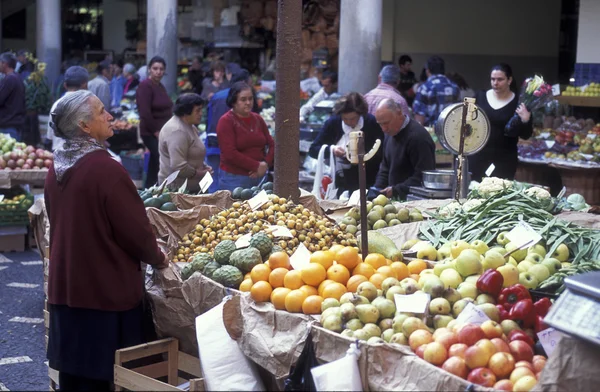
x,y
490,282
523,313
542,307
503,312
520,335
540,325
511,295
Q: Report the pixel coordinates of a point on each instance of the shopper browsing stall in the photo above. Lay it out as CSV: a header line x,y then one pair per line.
x,y
180,147
216,82
247,148
131,78
435,94
100,234
12,98
100,85
389,78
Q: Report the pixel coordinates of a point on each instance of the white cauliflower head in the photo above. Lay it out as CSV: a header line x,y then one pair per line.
x,y
451,209
489,186
473,203
538,193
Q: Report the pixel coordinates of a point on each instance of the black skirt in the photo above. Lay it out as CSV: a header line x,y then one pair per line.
x,y
82,342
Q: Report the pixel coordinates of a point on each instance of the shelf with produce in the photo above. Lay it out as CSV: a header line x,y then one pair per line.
x,y
593,102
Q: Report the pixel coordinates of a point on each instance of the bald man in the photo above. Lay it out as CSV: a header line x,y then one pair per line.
x,y
408,150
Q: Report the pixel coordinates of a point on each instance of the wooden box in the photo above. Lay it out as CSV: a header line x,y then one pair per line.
x,y
177,370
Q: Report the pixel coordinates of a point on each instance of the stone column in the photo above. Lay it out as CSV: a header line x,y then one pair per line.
x,y
162,38
49,37
360,45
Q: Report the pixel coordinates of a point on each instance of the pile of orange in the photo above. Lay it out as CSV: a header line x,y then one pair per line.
x,y
328,274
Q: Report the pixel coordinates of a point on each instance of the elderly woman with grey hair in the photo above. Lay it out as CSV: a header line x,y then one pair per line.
x,y
131,78
100,234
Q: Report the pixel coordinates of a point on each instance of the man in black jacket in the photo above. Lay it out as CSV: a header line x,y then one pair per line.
x,y
12,98
408,150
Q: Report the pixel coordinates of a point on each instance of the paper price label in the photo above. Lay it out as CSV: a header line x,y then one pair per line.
x,y
472,314
523,234
205,182
550,143
300,258
556,89
545,135
183,187
258,200
490,170
280,231
171,177
243,241
354,200
413,303
549,339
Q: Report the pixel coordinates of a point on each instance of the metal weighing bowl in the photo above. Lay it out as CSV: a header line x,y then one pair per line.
x,y
439,179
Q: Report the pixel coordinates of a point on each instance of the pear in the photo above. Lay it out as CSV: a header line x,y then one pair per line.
x,y
367,290
459,306
492,260
372,329
354,324
411,324
361,334
398,321
381,200
331,312
441,321
403,215
346,297
380,224
451,295
485,299
367,313
390,209
329,303
388,218
354,213
411,288
433,286
348,311
333,323
394,290
347,333
369,206
373,217
491,311
387,335
387,283
386,307
386,324
349,221
439,306
399,338
394,222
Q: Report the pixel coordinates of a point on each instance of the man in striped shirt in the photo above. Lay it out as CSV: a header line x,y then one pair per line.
x,y
388,80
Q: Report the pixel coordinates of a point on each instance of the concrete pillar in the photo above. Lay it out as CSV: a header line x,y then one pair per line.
x,y
360,45
48,36
162,38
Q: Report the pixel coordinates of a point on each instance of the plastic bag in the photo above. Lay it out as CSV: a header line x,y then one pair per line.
x,y
324,182
327,377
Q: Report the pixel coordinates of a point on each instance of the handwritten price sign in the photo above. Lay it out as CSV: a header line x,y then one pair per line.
x,y
549,339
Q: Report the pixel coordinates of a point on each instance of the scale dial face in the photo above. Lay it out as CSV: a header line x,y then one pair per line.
x,y
448,129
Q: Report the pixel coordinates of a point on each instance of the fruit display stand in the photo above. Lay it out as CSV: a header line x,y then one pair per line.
x,y
10,178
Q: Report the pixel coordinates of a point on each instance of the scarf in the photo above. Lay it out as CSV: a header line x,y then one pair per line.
x,y
341,162
66,156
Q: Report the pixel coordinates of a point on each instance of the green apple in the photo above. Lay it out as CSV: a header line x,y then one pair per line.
x,y
456,247
439,306
518,255
467,290
561,253
528,280
472,279
500,250
508,326
510,273
537,248
492,260
553,265
427,252
441,266
459,306
468,262
451,278
534,258
480,246
433,285
445,252
485,299
525,265
502,239
540,271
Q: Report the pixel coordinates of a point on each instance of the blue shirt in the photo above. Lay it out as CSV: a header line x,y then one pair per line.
x,y
117,86
433,96
217,107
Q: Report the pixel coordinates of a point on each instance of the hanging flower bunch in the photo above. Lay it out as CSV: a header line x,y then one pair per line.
x,y
37,91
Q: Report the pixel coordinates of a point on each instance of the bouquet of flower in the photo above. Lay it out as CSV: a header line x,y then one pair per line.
x,y
37,91
535,94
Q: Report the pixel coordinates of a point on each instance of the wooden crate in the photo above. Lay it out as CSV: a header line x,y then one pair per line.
x,y
178,369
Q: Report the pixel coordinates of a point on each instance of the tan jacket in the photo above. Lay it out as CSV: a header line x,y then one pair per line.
x,y
181,149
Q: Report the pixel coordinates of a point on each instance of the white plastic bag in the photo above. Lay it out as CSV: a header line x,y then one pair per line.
x,y
322,171
327,377
224,366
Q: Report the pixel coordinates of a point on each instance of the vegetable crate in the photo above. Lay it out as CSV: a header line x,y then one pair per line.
x,y
13,207
179,372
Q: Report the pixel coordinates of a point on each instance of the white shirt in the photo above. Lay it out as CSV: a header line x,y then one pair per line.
x,y
309,106
56,141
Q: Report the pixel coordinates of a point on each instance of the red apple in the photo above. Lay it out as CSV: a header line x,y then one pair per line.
x,y
519,372
35,168
49,155
419,338
48,163
26,167
31,155
30,149
14,156
521,350
420,351
488,346
476,357
456,366
482,376
525,384
539,361
39,162
20,162
501,345
491,329
457,350
470,334
29,162
525,364
435,353
503,385
502,364
447,339
11,164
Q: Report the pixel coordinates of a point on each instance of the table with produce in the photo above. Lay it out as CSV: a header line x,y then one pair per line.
x,y
21,164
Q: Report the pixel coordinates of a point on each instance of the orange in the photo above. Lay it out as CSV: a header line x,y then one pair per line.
x,y
246,285
338,273
277,276
278,297
313,274
376,260
293,280
260,272
388,261
279,260
261,291
334,290
294,301
377,279
312,304
247,276
309,290
364,269
322,286
323,257
416,266
354,281
387,271
348,257
336,248
401,270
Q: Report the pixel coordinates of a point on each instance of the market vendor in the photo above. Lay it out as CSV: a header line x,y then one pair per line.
x,y
180,147
408,150
500,104
350,113
329,83
247,148
100,234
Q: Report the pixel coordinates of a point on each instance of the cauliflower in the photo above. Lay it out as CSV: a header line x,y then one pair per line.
x,y
451,209
471,204
489,186
538,193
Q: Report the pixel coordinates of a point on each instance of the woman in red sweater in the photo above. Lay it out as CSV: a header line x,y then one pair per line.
x,y
247,148
99,235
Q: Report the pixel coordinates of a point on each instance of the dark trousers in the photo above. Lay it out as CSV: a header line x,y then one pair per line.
x,y
69,382
151,143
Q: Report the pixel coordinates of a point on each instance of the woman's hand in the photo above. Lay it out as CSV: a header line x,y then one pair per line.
x,y
523,113
164,264
261,171
208,169
339,151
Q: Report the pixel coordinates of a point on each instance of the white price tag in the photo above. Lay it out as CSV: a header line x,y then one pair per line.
x,y
591,136
171,177
545,135
549,143
490,170
243,241
258,200
1,198
556,89
549,339
300,258
354,200
280,231
413,303
472,314
523,234
205,182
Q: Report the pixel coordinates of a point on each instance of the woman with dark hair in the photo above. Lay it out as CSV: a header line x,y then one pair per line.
x,y
180,147
350,113
216,82
500,103
247,148
155,108
95,284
